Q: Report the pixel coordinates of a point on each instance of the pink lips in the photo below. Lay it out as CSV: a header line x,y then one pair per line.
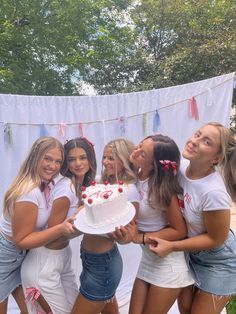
x,y
189,149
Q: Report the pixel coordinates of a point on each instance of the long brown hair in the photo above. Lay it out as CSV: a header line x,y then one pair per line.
x,y
163,181
84,143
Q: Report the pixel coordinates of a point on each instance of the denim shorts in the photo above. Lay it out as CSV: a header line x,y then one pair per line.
x,y
11,259
215,269
101,274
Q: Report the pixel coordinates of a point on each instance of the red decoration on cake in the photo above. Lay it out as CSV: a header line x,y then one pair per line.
x,y
120,182
106,196
90,201
120,190
106,182
84,195
93,182
83,188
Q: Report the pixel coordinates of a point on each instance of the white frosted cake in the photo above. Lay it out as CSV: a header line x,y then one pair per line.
x,y
104,204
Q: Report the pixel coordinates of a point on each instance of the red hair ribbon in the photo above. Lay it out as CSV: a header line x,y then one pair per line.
x,y
90,143
167,164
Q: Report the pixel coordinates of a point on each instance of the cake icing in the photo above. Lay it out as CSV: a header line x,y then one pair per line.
x,y
104,204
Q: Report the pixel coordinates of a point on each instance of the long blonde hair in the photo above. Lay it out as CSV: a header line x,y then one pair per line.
x,y
227,154
121,149
28,176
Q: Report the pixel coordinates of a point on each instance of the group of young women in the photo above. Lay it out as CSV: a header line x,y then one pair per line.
x,y
182,224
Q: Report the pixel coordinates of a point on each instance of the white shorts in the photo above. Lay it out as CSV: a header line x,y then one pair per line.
x,y
49,272
166,272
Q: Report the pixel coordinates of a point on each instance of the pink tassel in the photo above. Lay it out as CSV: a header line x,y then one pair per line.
x,y
193,108
81,131
62,129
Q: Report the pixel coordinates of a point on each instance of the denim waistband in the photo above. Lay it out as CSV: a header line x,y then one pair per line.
x,y
112,252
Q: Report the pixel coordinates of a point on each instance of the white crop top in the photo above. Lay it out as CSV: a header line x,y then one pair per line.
x,y
149,219
132,193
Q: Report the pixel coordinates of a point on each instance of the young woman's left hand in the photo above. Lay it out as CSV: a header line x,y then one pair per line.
x,y
160,247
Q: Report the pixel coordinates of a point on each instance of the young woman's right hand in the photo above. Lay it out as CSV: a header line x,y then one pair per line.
x,y
67,227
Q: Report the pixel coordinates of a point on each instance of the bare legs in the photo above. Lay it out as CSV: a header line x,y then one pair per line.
x,y
195,301
84,306
3,306
150,299
19,297
111,307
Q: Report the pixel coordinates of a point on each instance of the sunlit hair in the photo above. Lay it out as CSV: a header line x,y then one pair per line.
x,y
121,150
84,143
163,183
28,175
227,157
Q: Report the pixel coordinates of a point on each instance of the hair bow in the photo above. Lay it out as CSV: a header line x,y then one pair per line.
x,y
167,164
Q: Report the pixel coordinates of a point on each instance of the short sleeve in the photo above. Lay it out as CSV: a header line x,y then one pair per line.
x,y
216,200
64,188
33,197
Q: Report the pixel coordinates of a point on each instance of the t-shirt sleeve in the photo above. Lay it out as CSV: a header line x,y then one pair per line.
x,y
216,200
32,197
132,193
65,189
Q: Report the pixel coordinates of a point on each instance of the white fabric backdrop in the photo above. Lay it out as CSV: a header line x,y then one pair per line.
x,y
102,118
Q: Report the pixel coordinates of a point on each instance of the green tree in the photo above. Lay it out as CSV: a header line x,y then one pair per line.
x,y
185,41
50,47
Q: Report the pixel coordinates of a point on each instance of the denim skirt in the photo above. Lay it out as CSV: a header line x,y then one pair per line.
x,y
214,270
11,259
101,274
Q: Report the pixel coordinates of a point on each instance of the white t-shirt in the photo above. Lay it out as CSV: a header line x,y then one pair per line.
x,y
36,197
205,194
65,188
132,193
149,219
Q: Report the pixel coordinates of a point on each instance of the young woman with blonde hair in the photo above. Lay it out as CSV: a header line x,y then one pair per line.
x,y
48,269
102,262
25,216
210,153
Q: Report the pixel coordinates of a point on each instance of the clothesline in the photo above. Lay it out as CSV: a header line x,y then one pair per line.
x,y
182,101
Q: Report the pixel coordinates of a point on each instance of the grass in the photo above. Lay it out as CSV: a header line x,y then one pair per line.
x,y
231,307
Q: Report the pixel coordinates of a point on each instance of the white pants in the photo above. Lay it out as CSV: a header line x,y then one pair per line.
x,y
49,272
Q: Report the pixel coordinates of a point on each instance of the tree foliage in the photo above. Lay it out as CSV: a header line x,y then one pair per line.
x,y
50,47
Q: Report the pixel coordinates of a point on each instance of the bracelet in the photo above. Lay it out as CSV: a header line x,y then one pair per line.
x,y
144,238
